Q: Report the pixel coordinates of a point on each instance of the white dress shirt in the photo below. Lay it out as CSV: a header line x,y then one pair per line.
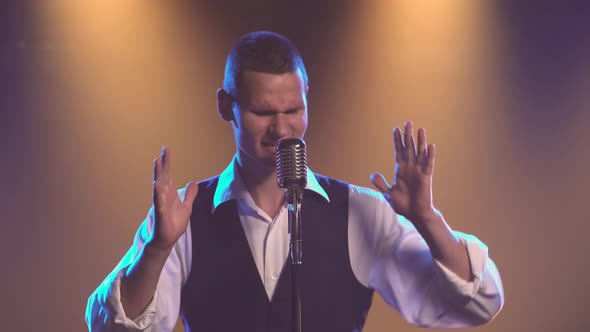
x,y
386,252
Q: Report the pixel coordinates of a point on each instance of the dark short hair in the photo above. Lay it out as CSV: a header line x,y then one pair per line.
x,y
261,51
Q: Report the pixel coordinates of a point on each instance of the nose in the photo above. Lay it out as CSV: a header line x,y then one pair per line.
x,y
280,126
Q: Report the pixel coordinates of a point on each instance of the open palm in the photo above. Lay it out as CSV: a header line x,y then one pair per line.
x,y
171,213
410,195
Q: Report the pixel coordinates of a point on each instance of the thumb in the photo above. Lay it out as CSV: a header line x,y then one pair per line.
x,y
379,182
191,192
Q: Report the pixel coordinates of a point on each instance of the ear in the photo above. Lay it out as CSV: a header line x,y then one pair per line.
x,y
224,105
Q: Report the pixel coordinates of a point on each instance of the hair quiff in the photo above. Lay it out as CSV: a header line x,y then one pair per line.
x,y
261,51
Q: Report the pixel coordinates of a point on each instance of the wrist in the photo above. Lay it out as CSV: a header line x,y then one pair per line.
x,y
152,248
426,217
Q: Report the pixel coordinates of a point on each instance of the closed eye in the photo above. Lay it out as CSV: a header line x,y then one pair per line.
x,y
292,111
264,113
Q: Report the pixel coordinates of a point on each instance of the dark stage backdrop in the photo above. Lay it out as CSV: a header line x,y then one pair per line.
x,y
90,91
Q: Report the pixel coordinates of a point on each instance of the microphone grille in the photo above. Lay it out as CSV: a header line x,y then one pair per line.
x,y
291,163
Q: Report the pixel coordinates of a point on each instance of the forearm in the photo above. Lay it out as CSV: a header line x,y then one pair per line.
x,y
141,279
443,245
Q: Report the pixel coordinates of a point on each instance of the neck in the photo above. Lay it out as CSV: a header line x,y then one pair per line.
x,y
261,181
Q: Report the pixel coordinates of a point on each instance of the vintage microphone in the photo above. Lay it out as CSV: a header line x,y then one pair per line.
x,y
292,176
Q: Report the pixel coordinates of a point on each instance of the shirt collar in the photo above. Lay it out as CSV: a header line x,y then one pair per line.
x,y
231,186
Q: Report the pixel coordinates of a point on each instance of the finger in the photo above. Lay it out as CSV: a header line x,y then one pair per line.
x,y
398,145
192,189
380,183
157,178
159,174
429,168
409,142
421,153
157,169
165,156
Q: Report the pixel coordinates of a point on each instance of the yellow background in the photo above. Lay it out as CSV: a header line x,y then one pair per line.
x,y
92,90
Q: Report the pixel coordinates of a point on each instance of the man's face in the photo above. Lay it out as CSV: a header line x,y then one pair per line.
x,y
271,107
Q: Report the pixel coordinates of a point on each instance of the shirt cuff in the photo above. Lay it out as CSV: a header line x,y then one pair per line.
x,y
457,287
116,312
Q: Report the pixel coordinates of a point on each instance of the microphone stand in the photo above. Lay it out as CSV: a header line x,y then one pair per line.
x,y
294,197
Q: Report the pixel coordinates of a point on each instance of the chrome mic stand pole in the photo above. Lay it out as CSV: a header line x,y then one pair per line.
x,y
294,198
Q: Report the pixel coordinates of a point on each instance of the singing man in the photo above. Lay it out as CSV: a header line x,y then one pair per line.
x,y
215,252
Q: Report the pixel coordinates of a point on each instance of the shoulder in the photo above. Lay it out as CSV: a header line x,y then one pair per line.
x,y
358,196
327,182
208,183
203,184
355,192
334,191
367,194
368,202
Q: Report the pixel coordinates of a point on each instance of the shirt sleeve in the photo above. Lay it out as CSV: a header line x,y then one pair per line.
x,y
104,311
390,256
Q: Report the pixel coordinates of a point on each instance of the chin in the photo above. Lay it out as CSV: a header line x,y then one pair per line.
x,y
269,160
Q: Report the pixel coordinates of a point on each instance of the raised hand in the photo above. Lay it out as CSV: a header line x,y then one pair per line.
x,y
171,213
411,192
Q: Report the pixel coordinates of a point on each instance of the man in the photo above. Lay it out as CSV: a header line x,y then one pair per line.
x,y
214,251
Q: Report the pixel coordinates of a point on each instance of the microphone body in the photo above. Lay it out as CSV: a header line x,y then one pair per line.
x,y
292,176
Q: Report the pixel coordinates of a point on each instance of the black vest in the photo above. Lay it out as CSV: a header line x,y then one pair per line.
x,y
225,293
